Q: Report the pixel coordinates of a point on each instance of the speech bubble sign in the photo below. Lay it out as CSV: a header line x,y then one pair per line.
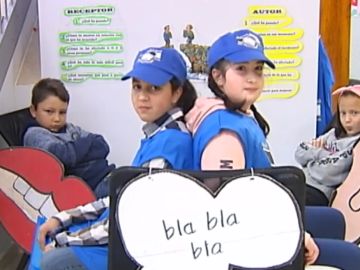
x,y
92,20
86,50
89,36
279,90
71,64
258,22
79,77
171,220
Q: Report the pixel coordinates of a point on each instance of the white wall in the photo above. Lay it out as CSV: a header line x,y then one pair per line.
x,y
13,96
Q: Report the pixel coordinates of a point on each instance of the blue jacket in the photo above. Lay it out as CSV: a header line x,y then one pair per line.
x,y
82,153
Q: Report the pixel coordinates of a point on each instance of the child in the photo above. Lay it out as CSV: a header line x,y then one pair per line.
x,y
229,133
327,160
82,153
161,101
160,95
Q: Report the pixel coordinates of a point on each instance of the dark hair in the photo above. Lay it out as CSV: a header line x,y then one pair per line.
x,y
222,66
49,87
335,122
188,96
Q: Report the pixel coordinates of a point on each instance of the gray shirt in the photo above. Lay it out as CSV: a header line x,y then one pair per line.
x,y
326,168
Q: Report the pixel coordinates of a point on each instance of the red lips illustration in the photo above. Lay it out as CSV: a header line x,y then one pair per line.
x,y
32,182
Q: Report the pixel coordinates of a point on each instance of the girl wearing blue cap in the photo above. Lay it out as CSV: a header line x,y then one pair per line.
x,y
161,95
229,133
229,124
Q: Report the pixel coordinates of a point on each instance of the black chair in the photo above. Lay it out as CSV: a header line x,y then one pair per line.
x,y
13,126
292,178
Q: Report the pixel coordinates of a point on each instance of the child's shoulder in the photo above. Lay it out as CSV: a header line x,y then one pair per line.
x,y
177,125
223,116
36,130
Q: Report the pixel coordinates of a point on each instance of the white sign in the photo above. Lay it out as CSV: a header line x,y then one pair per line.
x,y
167,220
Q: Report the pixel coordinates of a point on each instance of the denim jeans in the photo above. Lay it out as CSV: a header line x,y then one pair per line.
x,y
61,259
102,189
338,253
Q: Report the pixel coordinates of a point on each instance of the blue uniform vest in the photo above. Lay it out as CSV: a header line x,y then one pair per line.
x,y
249,132
173,145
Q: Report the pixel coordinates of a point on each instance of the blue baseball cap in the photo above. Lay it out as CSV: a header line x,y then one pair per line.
x,y
157,66
237,47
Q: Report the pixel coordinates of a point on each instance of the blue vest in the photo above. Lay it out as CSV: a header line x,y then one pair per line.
x,y
173,145
253,141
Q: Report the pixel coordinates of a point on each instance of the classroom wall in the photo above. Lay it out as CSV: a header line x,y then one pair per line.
x,y
14,95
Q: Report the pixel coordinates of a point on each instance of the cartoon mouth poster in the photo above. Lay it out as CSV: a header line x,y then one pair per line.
x,y
90,44
32,184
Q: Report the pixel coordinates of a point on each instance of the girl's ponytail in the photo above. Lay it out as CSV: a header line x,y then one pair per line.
x,y
264,125
188,96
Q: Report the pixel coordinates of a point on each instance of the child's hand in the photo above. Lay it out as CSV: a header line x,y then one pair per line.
x,y
317,143
49,246
311,249
49,226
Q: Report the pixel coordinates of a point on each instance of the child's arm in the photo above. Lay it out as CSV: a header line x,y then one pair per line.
x,y
306,153
99,148
96,234
311,249
64,219
69,152
224,152
90,211
332,169
313,150
50,226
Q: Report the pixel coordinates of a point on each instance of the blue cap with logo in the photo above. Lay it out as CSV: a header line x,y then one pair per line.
x,y
157,66
238,47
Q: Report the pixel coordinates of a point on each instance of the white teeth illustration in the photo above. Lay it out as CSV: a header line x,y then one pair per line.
x,y
30,201
21,186
48,209
34,198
